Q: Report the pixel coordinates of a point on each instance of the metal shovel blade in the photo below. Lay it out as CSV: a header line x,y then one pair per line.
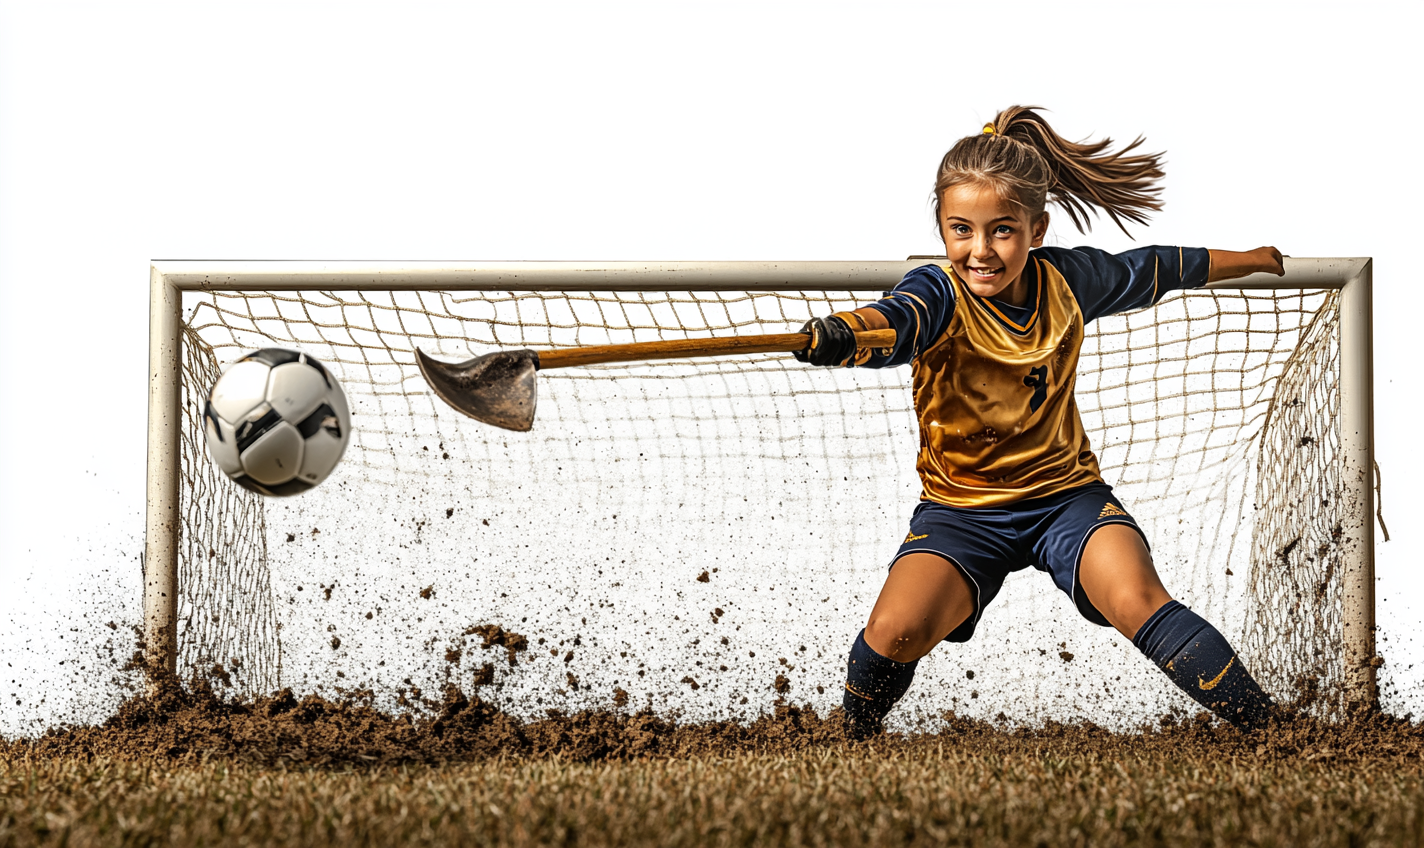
x,y
497,388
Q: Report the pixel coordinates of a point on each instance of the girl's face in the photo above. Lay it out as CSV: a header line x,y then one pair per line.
x,y
987,241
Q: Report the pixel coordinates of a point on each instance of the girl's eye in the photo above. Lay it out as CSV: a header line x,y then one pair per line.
x,y
959,229
1003,229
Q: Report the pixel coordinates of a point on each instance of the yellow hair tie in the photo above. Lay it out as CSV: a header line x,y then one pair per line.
x,y
988,129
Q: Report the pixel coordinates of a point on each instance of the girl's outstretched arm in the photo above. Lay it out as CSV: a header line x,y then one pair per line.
x,y
1230,264
918,309
874,318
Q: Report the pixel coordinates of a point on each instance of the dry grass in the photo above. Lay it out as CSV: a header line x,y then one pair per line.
x,y
900,793
185,767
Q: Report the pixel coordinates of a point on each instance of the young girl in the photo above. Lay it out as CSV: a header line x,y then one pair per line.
x,y
1009,480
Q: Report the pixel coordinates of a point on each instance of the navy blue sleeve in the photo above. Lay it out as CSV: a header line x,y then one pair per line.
x,y
918,309
1104,283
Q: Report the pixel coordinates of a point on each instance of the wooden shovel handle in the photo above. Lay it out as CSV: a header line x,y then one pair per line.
x,y
683,348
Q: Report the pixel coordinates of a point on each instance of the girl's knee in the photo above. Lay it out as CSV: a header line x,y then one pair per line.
x,y
1129,608
897,638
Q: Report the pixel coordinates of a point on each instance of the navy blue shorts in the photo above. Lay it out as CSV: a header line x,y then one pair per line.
x,y
985,544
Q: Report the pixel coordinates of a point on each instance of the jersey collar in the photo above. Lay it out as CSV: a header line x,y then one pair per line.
x,y
1036,281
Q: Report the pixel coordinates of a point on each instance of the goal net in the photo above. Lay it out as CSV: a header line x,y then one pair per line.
x,y
704,537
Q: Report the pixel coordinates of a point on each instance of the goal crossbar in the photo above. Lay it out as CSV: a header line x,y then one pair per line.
x,y
1351,277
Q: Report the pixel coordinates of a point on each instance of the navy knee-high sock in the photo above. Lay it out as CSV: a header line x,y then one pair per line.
x,y
873,684
1201,662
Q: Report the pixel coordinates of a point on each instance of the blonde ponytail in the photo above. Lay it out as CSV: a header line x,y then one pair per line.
x,y
1021,156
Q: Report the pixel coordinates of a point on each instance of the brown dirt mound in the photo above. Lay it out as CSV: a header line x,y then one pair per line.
x,y
179,723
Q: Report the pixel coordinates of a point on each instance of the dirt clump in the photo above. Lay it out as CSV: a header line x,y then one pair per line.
x,y
495,636
178,723
172,722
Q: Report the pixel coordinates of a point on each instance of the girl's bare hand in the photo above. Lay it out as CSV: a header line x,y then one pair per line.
x,y
1271,261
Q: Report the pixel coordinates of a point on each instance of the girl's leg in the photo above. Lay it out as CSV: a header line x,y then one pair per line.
x,y
923,600
1118,577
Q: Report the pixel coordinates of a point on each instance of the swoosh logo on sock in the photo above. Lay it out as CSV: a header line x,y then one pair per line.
x,y
1209,685
851,689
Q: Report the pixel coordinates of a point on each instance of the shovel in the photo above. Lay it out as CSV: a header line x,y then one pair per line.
x,y
498,388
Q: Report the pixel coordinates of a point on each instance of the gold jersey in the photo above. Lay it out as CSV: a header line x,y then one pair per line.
x,y
993,390
998,420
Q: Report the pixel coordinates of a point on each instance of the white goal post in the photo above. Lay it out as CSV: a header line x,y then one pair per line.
x,y
1349,278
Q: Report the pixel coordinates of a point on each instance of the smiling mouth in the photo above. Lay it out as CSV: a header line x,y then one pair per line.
x,y
985,273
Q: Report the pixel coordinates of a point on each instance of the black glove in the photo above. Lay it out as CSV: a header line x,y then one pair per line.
x,y
832,341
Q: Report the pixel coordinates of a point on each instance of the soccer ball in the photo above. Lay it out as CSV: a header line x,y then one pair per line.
x,y
276,422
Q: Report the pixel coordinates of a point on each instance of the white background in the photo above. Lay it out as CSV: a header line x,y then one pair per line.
x,y
617,131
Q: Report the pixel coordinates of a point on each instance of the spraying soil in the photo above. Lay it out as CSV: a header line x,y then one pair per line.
x,y
175,722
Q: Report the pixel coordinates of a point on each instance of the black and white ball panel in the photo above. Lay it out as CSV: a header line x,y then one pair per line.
x,y
222,441
240,389
273,356
275,456
295,390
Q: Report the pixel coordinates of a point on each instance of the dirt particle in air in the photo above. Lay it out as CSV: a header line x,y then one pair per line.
x,y
428,592
620,697
326,590
1065,656
782,684
569,657
704,577
969,675
572,680
495,636
335,642
690,682
291,537
450,512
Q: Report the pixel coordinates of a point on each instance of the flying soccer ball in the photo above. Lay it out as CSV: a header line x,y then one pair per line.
x,y
276,422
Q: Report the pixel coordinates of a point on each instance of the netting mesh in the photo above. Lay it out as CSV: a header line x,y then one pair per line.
x,y
706,536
